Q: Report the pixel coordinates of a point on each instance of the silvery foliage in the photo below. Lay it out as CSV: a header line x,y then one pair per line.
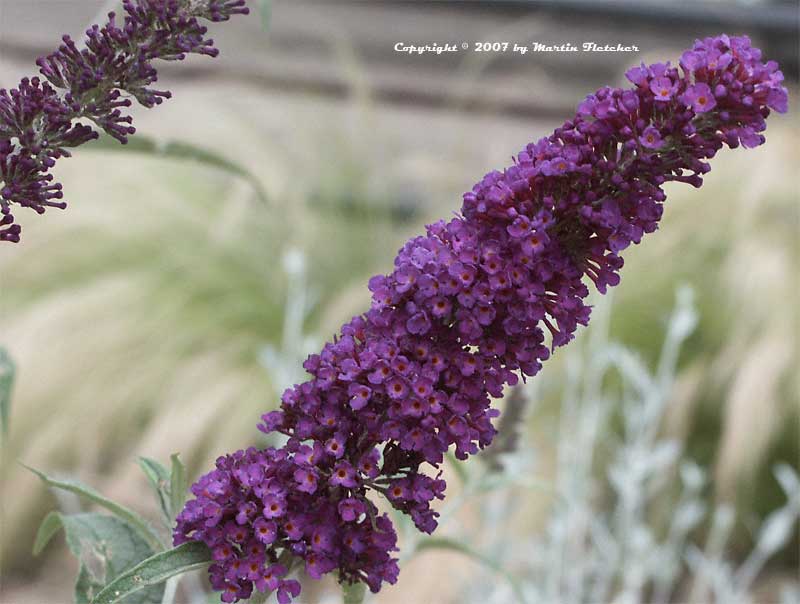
x,y
285,361
599,542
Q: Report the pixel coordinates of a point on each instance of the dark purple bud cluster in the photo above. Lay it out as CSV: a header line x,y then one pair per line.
x,y
95,83
470,306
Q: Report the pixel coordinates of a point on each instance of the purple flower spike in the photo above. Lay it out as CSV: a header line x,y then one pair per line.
x,y
472,306
38,118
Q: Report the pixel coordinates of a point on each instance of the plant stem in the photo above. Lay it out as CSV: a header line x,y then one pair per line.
x,y
170,589
353,593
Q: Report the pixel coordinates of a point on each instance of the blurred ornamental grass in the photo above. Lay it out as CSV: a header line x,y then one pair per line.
x,y
139,326
736,401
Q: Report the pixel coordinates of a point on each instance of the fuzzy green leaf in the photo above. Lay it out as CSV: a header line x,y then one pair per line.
x,y
159,479
136,521
7,372
105,546
49,527
178,486
456,546
180,151
154,571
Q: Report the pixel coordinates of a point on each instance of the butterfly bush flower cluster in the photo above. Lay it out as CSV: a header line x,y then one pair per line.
x,y
470,307
38,118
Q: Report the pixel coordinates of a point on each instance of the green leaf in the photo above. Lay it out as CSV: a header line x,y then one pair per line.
x,y
159,479
155,570
496,482
458,466
180,151
105,546
259,597
49,527
85,586
7,372
353,593
265,8
178,486
453,545
141,525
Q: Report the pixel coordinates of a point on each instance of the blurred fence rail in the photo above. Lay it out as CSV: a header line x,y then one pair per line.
x,y
335,48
